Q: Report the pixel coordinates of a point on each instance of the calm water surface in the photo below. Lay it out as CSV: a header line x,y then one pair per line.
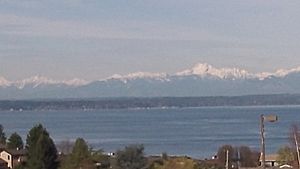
x,y
196,132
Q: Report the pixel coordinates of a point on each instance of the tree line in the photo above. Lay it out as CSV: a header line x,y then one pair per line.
x,y
125,103
13,142
42,153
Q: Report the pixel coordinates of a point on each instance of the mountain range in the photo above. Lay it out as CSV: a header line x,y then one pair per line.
x,y
201,80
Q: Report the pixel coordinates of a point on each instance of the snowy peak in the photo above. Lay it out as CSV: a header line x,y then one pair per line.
x,y
75,82
278,73
139,75
4,82
35,81
285,72
204,69
198,69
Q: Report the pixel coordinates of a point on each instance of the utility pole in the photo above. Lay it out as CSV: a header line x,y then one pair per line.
x,y
263,149
268,118
297,147
238,158
227,159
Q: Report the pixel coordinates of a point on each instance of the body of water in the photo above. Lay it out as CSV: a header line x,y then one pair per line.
x,y
196,132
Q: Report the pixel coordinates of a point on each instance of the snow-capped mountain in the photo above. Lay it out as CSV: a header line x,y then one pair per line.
x,y
223,73
4,82
36,81
75,82
204,70
201,80
278,73
139,75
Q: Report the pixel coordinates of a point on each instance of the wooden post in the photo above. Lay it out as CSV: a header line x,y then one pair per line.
x,y
227,159
297,148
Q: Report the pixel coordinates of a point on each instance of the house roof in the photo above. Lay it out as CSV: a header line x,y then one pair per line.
x,y
16,152
270,157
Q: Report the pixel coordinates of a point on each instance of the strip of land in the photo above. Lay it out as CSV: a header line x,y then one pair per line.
x,y
155,102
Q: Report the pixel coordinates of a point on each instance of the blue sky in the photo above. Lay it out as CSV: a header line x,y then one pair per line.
x,y
94,39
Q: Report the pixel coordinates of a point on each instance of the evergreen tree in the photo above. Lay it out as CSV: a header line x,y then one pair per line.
x,y
80,150
31,142
132,157
2,136
47,152
15,142
42,153
80,157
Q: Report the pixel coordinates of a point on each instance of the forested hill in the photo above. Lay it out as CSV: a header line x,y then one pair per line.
x,y
127,103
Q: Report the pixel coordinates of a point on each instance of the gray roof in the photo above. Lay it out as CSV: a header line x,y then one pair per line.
x,y
16,152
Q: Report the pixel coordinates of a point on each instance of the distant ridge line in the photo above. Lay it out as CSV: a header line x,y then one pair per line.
x,y
148,102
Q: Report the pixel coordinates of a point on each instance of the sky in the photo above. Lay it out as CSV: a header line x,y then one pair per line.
x,y
94,39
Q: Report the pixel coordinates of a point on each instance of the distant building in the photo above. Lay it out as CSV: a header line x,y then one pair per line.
x,y
285,166
270,160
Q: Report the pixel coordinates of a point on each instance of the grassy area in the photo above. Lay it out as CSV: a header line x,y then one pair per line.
x,y
175,163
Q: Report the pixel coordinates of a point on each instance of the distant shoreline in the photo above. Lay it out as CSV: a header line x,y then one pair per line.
x,y
87,104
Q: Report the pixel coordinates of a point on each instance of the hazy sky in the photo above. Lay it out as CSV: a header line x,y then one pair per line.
x,y
93,39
